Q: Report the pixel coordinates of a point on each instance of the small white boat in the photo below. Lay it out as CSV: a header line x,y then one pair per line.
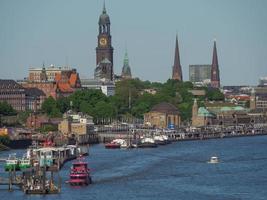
x,y
214,160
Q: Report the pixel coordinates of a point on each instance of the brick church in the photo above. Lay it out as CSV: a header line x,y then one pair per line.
x,y
104,50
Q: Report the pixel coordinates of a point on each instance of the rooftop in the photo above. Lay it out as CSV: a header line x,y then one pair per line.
x,y
165,107
34,92
9,84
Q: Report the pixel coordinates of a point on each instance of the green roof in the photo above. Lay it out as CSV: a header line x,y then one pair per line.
x,y
239,108
226,108
203,112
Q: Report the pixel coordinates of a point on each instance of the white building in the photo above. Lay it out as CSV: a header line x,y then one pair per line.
x,y
107,88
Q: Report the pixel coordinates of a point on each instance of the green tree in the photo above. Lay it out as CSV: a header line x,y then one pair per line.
x,y
214,95
86,107
139,109
89,96
4,139
22,117
50,107
63,104
104,112
185,109
6,109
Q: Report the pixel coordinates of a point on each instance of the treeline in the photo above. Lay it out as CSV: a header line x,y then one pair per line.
x,y
130,99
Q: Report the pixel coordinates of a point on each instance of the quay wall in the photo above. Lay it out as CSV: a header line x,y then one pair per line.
x,y
184,136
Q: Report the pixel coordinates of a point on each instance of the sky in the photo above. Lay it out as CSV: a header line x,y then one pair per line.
x,y
64,32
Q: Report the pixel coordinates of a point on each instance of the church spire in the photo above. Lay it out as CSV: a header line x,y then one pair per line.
x,y
104,49
215,73
104,8
177,69
126,69
126,58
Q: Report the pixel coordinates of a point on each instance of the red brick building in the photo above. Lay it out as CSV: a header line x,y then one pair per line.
x,y
54,81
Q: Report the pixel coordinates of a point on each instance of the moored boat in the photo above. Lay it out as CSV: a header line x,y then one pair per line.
x,y
159,140
123,143
24,163
114,144
166,139
12,163
147,143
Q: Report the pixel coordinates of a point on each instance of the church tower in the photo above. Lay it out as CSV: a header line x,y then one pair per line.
x,y
104,49
177,68
126,70
194,113
215,73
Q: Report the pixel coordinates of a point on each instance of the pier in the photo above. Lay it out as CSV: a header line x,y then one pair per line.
x,y
45,163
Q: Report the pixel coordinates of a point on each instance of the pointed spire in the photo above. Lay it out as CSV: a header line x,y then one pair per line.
x,y
215,57
215,73
177,54
126,70
43,65
126,58
177,69
104,8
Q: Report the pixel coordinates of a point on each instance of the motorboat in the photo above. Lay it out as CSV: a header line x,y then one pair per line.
x,y
159,140
24,163
214,160
12,163
126,145
147,142
80,173
114,144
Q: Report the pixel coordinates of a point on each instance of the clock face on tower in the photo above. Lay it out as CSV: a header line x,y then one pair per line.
x,y
103,41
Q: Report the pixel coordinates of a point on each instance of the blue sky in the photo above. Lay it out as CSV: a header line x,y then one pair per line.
x,y
65,31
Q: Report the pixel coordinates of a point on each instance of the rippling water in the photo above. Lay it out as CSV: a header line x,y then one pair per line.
x,y
176,171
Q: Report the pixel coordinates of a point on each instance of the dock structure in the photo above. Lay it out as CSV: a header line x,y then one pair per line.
x,y
40,181
45,163
185,134
12,180
205,133
34,180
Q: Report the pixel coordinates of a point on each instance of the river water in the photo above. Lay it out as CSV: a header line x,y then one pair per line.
x,y
176,171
